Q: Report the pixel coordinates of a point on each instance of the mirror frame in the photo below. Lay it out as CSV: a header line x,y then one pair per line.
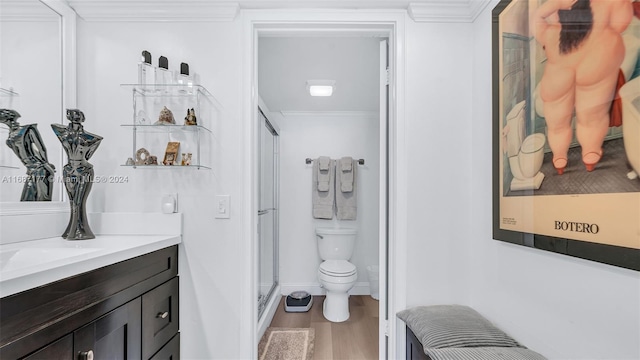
x,y
68,18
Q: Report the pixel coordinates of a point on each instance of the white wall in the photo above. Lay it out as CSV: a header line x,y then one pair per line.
x,y
335,135
560,306
563,307
211,319
438,143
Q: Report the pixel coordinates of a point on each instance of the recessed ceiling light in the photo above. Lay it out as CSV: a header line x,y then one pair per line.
x,y
320,87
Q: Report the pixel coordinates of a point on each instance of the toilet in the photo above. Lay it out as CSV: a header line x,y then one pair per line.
x,y
336,274
525,154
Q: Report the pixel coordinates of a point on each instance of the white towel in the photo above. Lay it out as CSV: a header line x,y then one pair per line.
x,y
322,201
324,172
347,202
346,174
324,162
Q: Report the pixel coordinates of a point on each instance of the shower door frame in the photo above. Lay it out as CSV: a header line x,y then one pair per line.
x,y
276,203
393,249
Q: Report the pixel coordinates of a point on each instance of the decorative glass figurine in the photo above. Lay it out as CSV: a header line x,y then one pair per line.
x,y
78,172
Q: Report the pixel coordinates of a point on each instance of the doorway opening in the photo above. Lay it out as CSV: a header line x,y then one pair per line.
x,y
304,126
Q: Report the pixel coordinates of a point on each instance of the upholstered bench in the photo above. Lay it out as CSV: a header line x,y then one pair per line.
x,y
456,332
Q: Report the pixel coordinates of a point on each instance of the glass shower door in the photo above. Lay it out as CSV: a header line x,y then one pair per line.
x,y
267,213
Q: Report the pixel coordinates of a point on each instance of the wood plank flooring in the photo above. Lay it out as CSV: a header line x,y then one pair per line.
x,y
354,339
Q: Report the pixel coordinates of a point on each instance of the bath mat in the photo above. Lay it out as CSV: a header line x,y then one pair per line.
x,y
287,343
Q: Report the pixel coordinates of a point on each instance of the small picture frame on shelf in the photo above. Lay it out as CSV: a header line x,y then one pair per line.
x,y
186,159
171,154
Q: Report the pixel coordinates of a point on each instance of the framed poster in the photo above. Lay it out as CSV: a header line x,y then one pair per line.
x,y
566,127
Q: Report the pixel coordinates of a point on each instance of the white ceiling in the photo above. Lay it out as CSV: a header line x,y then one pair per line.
x,y
286,63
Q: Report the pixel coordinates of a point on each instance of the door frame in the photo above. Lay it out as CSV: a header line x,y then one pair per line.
x,y
275,132
329,22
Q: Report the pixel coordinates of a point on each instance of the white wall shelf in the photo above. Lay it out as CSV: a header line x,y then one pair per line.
x,y
149,100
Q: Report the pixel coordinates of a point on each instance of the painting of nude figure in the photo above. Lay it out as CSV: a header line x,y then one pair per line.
x,y
566,127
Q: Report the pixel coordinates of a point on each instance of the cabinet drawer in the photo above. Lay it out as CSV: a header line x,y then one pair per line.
x,y
160,320
171,351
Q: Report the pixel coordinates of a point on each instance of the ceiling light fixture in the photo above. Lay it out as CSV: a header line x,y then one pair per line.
x,y
321,87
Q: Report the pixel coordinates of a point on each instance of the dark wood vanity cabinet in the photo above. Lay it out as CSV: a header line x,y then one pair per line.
x,y
115,335
60,349
128,310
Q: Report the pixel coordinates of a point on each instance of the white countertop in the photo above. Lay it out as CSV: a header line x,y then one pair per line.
x,y
29,264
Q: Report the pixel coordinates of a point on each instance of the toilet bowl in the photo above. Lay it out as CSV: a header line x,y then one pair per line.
x,y
525,154
336,274
630,95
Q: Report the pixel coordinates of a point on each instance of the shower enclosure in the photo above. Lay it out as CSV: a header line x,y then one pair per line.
x,y
268,212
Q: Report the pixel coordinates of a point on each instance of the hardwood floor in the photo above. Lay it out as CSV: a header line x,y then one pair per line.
x,y
356,338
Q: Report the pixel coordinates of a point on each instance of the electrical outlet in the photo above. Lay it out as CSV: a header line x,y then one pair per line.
x,y
223,206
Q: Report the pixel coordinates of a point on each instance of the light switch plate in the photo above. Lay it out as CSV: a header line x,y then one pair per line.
x,y
223,206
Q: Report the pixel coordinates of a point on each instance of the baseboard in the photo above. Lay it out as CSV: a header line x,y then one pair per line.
x,y
360,288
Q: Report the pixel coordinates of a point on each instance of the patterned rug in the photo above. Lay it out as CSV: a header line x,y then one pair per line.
x,y
286,343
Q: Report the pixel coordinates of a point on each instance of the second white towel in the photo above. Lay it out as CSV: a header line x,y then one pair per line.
x,y
323,196
346,189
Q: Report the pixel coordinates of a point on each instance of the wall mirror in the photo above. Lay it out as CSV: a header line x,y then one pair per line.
x,y
37,79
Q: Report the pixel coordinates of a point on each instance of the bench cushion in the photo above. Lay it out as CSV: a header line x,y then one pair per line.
x,y
453,326
484,353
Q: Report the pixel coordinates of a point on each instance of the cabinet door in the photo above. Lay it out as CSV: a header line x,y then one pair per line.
x,y
59,349
116,335
159,317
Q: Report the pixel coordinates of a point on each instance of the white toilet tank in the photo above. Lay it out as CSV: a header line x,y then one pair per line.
x,y
336,244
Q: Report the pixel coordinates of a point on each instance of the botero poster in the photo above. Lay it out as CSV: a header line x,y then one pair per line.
x,y
566,113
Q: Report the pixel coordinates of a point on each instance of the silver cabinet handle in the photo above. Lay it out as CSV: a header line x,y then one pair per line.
x,y
85,355
162,315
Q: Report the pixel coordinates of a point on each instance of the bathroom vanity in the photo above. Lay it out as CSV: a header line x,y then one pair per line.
x,y
114,297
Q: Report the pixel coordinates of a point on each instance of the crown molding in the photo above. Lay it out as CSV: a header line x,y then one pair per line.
x,y
325,4
18,10
446,10
207,10
155,11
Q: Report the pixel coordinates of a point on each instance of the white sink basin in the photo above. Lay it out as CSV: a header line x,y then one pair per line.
x,y
14,259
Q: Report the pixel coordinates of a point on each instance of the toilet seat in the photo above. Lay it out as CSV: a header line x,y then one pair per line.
x,y
337,268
